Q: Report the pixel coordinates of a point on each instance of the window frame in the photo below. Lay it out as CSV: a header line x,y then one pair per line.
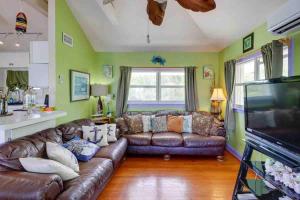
x,y
158,102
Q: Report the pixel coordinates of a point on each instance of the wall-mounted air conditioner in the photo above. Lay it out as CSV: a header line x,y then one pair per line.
x,y
286,19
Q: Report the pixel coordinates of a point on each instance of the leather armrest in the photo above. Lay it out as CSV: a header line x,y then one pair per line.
x,y
25,185
221,131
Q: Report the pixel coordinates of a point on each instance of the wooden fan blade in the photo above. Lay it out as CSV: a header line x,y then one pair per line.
x,y
198,5
156,12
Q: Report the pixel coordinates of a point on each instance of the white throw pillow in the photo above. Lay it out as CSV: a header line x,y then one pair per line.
x,y
111,132
187,124
39,165
62,155
96,134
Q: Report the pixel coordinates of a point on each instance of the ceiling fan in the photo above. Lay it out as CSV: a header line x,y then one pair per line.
x,y
156,8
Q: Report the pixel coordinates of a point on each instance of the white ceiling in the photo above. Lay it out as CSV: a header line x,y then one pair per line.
x,y
181,30
36,12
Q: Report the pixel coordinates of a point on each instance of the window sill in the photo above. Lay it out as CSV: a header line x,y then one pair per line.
x,y
238,110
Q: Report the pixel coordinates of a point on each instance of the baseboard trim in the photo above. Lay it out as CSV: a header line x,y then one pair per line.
x,y
234,152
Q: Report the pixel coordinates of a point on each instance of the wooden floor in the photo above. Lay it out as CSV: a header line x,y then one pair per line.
x,y
181,178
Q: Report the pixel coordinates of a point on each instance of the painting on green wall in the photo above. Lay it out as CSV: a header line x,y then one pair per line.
x,y
248,43
80,85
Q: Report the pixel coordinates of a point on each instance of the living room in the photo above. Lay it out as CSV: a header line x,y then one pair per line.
x,y
152,99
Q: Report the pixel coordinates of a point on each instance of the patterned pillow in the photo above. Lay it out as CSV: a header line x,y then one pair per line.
x,y
159,124
111,132
135,123
187,124
96,134
82,149
147,123
202,124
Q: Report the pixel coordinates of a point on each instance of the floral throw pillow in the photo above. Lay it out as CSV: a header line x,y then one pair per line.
x,y
159,124
135,123
202,124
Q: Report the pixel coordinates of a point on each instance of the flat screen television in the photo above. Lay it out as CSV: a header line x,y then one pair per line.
x,y
272,111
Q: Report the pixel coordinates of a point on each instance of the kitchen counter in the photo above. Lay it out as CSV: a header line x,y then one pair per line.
x,y
20,124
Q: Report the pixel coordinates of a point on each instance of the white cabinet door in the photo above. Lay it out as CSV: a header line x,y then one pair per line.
x,y
39,52
39,75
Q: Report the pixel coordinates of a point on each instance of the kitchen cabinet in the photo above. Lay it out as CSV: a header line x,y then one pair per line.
x,y
39,52
14,60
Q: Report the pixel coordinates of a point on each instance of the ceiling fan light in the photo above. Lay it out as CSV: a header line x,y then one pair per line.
x,y
1,42
17,44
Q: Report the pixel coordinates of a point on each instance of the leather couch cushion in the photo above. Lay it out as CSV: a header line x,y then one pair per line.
x,y
192,140
167,139
29,146
93,175
141,139
25,185
115,151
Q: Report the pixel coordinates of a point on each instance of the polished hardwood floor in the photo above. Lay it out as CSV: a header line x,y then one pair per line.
x,y
181,178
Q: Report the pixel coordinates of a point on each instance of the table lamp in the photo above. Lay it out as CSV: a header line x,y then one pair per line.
x,y
216,98
98,90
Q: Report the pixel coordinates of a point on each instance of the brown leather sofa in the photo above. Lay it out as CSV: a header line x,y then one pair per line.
x,y
169,143
16,183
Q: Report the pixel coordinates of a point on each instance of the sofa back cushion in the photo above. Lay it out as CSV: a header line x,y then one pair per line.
x,y
134,123
202,123
29,146
175,123
74,129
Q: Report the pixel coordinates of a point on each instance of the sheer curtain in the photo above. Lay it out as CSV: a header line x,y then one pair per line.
x,y
123,90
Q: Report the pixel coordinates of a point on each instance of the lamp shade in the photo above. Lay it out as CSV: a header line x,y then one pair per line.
x,y
218,95
98,90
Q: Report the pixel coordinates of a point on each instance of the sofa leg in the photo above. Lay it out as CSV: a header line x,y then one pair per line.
x,y
220,158
124,158
167,157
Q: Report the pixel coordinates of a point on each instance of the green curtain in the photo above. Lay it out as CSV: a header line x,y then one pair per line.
x,y
123,90
17,79
191,95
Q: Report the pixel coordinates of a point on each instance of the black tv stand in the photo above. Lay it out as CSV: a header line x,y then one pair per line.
x,y
258,186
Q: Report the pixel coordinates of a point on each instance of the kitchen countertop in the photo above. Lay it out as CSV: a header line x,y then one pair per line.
x,y
21,119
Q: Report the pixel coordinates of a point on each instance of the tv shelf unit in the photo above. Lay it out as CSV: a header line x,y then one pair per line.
x,y
258,186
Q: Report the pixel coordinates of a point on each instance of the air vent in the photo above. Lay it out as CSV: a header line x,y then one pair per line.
x,y
288,27
67,40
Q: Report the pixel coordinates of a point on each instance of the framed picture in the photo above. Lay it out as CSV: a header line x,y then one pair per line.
x,y
108,71
67,39
208,72
248,43
80,85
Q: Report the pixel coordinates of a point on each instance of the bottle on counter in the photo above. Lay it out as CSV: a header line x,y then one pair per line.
x,y
29,100
3,104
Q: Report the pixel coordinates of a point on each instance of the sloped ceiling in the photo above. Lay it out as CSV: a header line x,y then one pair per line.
x,y
181,30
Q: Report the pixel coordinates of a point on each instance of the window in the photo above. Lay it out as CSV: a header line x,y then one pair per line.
x,y
250,70
157,86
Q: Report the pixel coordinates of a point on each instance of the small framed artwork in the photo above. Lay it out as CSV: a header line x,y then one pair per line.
x,y
208,72
108,71
248,43
80,85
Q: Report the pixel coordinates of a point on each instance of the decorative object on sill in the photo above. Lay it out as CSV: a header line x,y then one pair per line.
x,y
217,98
108,71
208,72
248,43
156,8
80,85
158,60
98,90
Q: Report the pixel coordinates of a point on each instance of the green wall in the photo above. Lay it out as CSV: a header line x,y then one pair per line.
x,y
178,59
234,51
81,57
